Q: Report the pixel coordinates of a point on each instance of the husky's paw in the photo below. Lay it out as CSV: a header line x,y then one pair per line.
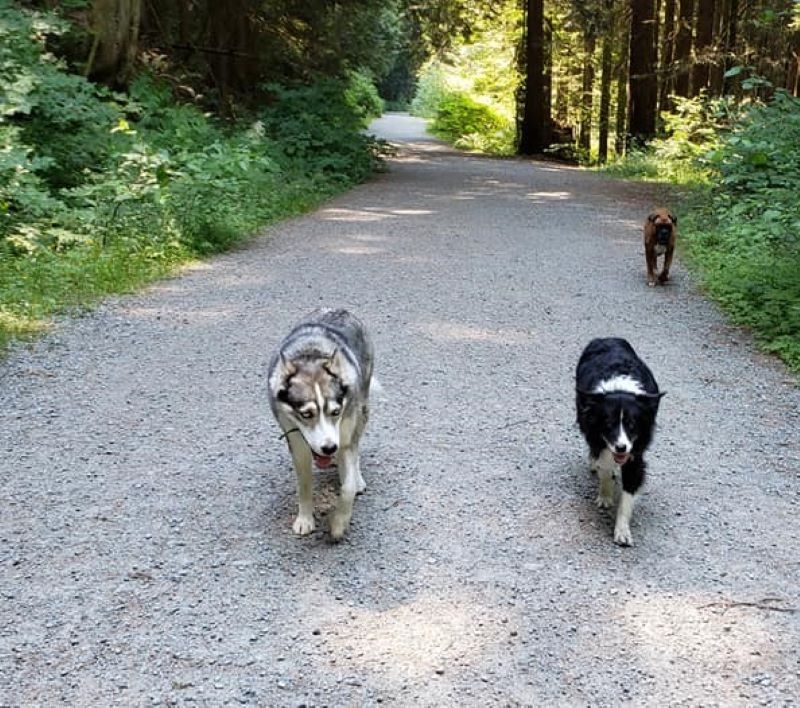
x,y
604,501
339,526
622,535
303,525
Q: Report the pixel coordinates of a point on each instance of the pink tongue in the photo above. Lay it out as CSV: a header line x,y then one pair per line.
x,y
322,461
621,459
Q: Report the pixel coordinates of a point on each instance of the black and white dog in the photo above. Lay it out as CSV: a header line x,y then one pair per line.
x,y
617,399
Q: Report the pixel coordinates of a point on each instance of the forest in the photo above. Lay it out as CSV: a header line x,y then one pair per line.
x,y
138,135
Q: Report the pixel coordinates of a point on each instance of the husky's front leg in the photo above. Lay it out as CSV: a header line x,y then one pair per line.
x,y
301,457
350,480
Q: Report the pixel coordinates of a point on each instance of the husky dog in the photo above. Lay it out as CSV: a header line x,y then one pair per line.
x,y
319,381
617,401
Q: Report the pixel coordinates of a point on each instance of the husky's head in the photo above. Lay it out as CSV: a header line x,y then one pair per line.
x,y
312,395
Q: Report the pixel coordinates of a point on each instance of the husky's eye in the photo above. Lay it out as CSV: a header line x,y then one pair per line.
x,y
335,411
306,413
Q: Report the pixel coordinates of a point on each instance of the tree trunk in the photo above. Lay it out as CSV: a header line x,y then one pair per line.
x,y
683,47
731,39
606,69
703,47
643,85
235,68
585,134
666,82
115,24
621,77
534,129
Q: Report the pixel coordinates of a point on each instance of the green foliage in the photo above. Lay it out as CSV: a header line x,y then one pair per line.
x,y
467,124
470,93
432,88
318,129
747,240
100,193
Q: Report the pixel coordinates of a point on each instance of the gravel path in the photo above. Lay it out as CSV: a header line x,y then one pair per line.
x,y
146,553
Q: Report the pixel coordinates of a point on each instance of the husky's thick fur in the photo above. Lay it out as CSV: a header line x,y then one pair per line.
x,y
617,401
319,381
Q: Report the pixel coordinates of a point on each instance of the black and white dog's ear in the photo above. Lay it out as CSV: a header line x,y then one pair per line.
x,y
590,396
651,399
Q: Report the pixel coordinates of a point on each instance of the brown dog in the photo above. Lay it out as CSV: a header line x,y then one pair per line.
x,y
660,232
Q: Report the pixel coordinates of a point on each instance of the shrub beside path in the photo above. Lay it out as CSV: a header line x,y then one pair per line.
x,y
146,553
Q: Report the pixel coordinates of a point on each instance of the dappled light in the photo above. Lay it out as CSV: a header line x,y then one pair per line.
x,y
416,638
357,215
556,196
352,215
706,638
455,332
358,250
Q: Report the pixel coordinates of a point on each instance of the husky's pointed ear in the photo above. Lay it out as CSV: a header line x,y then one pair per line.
x,y
332,364
288,368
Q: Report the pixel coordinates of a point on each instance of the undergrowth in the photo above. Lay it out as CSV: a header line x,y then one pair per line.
x,y
101,192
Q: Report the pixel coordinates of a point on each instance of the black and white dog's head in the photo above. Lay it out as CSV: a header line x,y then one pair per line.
x,y
621,419
617,399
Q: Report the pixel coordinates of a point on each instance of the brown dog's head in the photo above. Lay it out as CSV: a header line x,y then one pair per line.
x,y
663,224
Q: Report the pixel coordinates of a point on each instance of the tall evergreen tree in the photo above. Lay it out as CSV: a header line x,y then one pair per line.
x,y
534,124
642,81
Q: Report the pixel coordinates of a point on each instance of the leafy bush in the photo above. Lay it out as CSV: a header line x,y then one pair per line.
x,y
432,88
362,96
747,243
468,124
318,129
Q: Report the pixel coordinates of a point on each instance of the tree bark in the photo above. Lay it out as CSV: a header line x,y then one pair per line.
x,y
585,134
534,129
683,47
115,24
604,119
642,81
621,78
666,79
703,47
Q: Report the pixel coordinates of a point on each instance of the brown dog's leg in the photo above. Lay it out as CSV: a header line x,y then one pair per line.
x,y
664,277
650,257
